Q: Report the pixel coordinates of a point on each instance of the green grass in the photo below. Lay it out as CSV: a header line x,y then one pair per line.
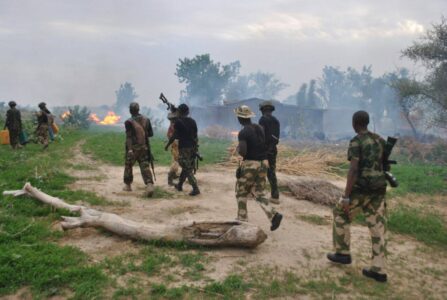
x,y
426,226
109,147
28,255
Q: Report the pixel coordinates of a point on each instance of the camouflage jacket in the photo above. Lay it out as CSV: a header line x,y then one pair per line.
x,y
138,131
368,149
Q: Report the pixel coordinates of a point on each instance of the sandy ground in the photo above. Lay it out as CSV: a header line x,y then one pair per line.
x,y
297,245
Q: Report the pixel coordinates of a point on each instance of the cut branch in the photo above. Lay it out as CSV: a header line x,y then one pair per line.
x,y
205,233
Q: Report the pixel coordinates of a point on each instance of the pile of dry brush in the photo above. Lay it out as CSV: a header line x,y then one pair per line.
x,y
308,161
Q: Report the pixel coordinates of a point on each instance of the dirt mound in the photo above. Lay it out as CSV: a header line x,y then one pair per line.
x,y
316,191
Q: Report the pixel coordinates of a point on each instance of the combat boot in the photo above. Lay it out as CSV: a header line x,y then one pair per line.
x,y
195,191
344,259
149,190
276,221
127,188
374,275
179,187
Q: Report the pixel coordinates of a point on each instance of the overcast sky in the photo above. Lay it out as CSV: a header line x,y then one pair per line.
x,y
78,52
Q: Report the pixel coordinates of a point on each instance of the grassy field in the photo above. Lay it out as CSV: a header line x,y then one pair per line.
x,y
110,147
31,256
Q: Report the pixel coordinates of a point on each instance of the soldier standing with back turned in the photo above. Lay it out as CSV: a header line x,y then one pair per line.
x,y
43,123
272,129
138,132
365,192
185,131
253,169
14,125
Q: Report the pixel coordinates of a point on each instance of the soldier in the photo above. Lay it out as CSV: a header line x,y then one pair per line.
x,y
173,171
185,131
271,128
253,169
14,125
42,125
138,132
365,191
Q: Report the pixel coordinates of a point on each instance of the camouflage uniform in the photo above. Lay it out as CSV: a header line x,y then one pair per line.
x,y
252,183
14,125
368,196
173,170
187,160
138,143
42,128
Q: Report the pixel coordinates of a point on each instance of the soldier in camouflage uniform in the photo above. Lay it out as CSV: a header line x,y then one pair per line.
x,y
138,132
365,192
272,130
43,123
14,125
173,170
252,173
185,131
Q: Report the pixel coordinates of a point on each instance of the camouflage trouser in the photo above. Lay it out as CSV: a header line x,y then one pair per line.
x,y
140,154
252,184
373,206
186,161
271,174
14,140
173,170
42,134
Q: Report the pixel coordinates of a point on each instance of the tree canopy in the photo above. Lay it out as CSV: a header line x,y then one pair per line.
x,y
125,95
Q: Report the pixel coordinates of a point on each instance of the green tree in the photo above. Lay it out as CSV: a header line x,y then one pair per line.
x,y
431,50
205,79
255,85
124,96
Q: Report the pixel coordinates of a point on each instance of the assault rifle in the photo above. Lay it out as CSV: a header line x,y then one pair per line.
x,y
171,106
390,142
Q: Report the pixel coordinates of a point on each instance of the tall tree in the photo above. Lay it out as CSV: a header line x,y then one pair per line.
x,y
125,95
255,85
301,96
431,50
205,79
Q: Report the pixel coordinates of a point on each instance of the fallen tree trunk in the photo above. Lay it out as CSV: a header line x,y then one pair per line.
x,y
204,233
316,191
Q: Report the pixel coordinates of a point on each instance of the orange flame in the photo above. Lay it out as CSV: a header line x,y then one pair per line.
x,y
110,119
65,115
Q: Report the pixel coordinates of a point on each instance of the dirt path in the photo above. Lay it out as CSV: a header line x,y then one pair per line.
x,y
297,245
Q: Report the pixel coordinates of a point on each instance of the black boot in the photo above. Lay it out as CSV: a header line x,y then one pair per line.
x,y
344,259
195,191
179,187
374,275
276,221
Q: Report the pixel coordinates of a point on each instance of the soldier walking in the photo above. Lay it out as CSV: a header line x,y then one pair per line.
x,y
253,169
173,170
138,132
365,192
185,131
43,123
14,125
272,130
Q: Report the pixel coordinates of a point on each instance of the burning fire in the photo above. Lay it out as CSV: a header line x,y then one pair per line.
x,y
110,119
65,115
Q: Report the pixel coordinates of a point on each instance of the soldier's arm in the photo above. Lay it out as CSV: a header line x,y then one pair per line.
x,y
195,130
8,117
128,136
242,146
173,137
352,177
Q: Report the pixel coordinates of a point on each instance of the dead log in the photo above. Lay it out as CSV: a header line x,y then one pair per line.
x,y
204,233
316,191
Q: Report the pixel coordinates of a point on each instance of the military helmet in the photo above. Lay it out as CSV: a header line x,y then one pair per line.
x,y
266,104
12,104
183,108
134,107
244,112
42,105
